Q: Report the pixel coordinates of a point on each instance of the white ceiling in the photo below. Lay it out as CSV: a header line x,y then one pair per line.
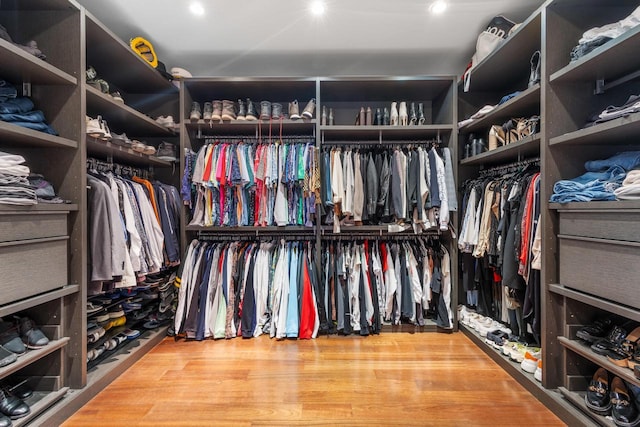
x,y
281,37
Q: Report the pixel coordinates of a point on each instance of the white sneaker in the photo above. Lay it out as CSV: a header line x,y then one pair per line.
x,y
538,373
94,129
105,129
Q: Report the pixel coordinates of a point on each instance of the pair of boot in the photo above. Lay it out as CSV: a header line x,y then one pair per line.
x,y
226,110
401,117
215,110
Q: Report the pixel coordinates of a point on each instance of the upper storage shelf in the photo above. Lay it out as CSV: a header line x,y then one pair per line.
x,y
117,64
508,65
18,65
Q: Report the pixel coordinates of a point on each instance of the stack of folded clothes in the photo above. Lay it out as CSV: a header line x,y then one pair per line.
x,y
31,46
630,188
20,110
15,188
631,106
596,37
602,179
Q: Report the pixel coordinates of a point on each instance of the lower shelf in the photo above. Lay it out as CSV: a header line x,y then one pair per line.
x,y
32,355
550,398
577,399
39,402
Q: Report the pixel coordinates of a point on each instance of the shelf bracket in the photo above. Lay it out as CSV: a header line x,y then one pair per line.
x,y
602,86
26,89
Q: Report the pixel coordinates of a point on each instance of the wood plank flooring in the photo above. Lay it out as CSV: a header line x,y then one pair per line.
x,y
391,379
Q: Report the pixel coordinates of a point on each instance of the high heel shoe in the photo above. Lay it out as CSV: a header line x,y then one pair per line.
x,y
369,118
496,137
413,117
394,114
331,117
510,129
360,118
378,120
421,118
385,118
534,76
324,116
402,114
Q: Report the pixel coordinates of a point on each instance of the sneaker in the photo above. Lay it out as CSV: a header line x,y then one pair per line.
x,y
265,110
93,128
167,151
7,357
138,146
94,334
195,114
117,97
217,111
120,139
530,362
309,109
105,128
93,308
9,338
207,111
91,74
538,373
294,110
252,114
31,336
166,121
228,110
116,312
100,318
149,150
276,111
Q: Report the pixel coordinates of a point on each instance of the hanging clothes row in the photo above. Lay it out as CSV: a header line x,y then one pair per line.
x,y
500,246
133,228
368,283
381,185
253,184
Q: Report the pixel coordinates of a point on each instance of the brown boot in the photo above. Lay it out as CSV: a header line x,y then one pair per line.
x,y
309,109
217,110
228,110
294,110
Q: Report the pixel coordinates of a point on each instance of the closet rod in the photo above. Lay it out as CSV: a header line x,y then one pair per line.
x,y
368,236
503,167
117,168
253,238
254,138
403,143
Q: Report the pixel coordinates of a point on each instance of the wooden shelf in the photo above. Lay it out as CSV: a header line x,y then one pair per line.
x,y
577,399
39,402
250,128
272,229
584,351
526,104
510,62
18,136
617,205
609,61
33,355
38,5
41,207
527,147
384,132
623,130
121,117
36,300
609,306
110,56
122,154
19,66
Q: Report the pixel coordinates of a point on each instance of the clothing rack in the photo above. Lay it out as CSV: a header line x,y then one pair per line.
x,y
510,167
116,168
370,236
253,238
405,143
253,139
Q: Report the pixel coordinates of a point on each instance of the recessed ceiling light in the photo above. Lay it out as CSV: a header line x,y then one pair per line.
x,y
438,7
317,7
196,8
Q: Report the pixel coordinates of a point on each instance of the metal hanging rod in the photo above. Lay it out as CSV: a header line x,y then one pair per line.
x,y
253,137
117,168
505,167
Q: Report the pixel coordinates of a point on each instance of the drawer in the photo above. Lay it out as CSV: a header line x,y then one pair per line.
x,y
601,224
605,268
31,267
33,225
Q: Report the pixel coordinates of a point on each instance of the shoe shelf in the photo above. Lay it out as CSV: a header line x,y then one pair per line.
x,y
609,306
122,154
250,128
626,205
577,399
121,117
33,355
584,351
112,333
39,402
526,147
623,130
429,326
110,56
525,104
37,300
609,61
509,63
18,136
382,133
20,66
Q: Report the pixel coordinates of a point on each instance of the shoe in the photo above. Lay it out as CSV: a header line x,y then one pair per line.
x,y
117,97
94,334
597,398
596,330
131,334
413,116
93,128
93,308
138,146
242,111
613,339
105,129
360,117
5,421
116,312
369,117
402,114
128,307
100,318
497,338
207,111
378,117
534,76
621,354
7,357
496,137
90,74
216,113
166,121
228,110
323,120
538,373
31,336
265,110
21,390
149,150
294,110
386,120
196,113
251,111
394,114
121,140
530,362
623,409
331,118
276,111
421,118
13,407
309,109
167,152
9,338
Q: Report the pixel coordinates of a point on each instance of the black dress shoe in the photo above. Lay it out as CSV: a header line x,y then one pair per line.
x,y
596,330
623,410
21,390
614,338
5,421
597,397
13,407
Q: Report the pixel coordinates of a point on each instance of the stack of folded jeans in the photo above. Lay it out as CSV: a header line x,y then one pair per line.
x,y
20,110
600,181
15,188
596,37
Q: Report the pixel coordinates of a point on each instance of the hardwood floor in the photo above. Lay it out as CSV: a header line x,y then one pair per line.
x,y
391,379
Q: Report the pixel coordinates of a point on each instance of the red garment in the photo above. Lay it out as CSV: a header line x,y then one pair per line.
x,y
307,313
206,174
526,224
